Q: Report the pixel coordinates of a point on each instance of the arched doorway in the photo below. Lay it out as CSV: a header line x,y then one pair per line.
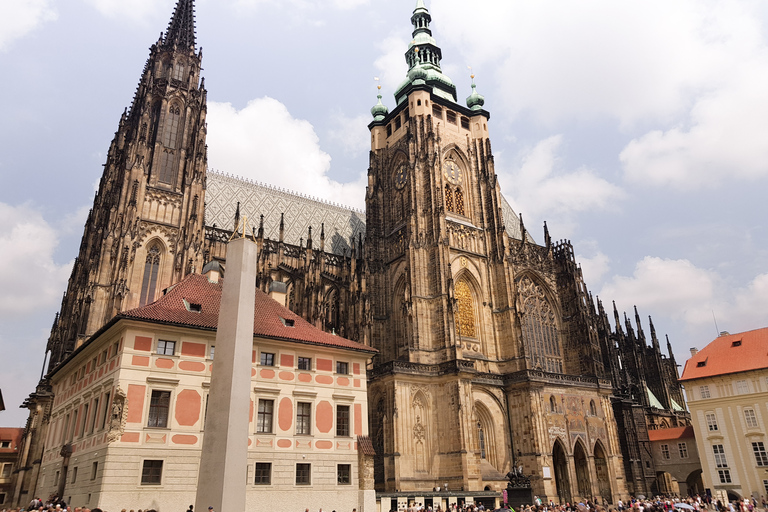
x,y
582,471
694,483
562,482
601,472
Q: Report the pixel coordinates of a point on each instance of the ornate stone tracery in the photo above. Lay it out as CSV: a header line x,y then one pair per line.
x,y
465,318
539,322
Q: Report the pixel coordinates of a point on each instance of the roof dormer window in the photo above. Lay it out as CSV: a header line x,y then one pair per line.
x,y
288,322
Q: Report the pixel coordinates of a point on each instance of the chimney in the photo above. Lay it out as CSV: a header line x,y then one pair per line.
x,y
724,333
213,270
694,351
278,291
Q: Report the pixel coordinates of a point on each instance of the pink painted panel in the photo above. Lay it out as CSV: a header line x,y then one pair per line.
x,y
358,419
286,360
164,363
184,439
135,403
136,361
324,417
324,379
192,366
285,375
325,365
285,414
193,349
188,407
305,377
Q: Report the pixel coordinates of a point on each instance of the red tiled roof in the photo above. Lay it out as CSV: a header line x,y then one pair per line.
x,y
670,434
365,445
731,353
267,323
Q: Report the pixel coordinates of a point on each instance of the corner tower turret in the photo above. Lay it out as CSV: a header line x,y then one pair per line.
x,y
145,229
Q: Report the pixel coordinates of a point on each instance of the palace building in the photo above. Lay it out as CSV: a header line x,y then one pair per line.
x,y
487,351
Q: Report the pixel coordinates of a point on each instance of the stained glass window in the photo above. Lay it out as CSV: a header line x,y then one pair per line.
x,y
539,327
465,322
460,202
448,198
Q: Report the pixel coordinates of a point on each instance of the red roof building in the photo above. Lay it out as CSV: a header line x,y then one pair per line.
x,y
129,409
729,354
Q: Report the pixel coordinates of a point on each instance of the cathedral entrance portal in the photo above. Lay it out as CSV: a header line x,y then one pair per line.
x,y
582,471
562,482
601,472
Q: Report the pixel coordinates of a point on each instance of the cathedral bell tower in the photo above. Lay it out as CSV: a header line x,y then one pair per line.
x,y
145,229
435,243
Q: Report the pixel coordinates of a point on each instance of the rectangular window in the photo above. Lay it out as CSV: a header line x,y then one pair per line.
x,y
158,409
94,415
103,358
665,451
437,111
344,474
711,422
765,486
5,444
303,418
682,449
2,498
94,470
742,387
115,348
389,130
264,419
263,473
725,476
750,418
305,363
342,420
166,348
398,123
303,474
465,123
7,469
450,116
720,460
704,391
210,354
761,457
152,472
107,405
267,359
74,474
85,420
342,367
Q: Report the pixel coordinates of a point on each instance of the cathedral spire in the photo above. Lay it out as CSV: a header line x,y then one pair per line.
x,y
181,29
423,58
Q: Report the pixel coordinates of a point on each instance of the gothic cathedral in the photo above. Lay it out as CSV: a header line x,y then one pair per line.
x,y
493,355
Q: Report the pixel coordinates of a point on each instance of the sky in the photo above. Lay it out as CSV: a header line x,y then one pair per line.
x,y
638,130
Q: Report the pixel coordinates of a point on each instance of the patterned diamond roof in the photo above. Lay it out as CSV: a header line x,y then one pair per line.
x,y
342,223
268,322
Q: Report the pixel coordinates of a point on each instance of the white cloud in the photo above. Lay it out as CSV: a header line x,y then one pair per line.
x,y
30,279
390,65
135,10
303,4
20,17
538,187
263,142
678,290
351,133
594,268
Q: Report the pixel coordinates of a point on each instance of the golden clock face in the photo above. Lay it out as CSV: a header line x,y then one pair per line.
x,y
452,172
401,176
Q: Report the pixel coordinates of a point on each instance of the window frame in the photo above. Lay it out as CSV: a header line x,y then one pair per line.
x,y
259,473
342,367
761,456
148,472
303,421
302,359
165,347
343,420
711,419
267,359
682,450
153,414
721,461
262,416
343,472
704,392
306,471
665,451
750,418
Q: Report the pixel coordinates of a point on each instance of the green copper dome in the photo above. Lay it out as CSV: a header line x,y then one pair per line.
x,y
379,111
475,101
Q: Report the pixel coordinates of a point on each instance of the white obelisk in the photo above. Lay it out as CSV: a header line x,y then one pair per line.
x,y
223,465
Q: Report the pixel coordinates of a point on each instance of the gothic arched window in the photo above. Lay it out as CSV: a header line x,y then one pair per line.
x,y
151,269
460,202
539,327
552,404
592,408
465,320
448,198
178,72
